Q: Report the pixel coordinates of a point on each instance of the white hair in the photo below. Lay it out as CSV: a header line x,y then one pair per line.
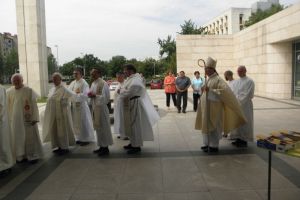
x,y
57,74
16,75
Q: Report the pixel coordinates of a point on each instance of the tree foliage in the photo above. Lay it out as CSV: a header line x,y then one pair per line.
x,y
52,64
190,28
260,15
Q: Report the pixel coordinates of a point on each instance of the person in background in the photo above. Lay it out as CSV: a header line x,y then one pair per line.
x,y
182,84
139,112
81,115
100,97
118,109
197,83
23,116
244,93
219,111
170,89
6,152
58,124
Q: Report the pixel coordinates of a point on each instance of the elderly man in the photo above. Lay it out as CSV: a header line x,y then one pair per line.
x,y
58,125
81,115
100,97
23,117
182,85
219,111
244,93
139,112
6,156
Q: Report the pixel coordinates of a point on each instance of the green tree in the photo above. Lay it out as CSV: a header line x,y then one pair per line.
x,y
11,63
52,64
190,28
260,15
167,47
115,65
1,68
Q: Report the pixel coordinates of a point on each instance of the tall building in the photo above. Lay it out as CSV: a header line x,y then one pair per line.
x,y
229,22
8,42
233,20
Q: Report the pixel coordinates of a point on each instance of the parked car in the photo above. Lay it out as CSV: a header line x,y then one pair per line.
x,y
156,84
113,85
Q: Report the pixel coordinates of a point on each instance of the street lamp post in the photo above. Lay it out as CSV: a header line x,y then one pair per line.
x,y
83,63
57,55
154,70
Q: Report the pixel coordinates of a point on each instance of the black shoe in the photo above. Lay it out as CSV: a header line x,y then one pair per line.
x,y
179,111
104,151
97,150
183,111
33,161
127,146
119,137
126,138
204,147
5,172
211,149
134,150
242,144
63,152
84,143
78,142
22,161
56,150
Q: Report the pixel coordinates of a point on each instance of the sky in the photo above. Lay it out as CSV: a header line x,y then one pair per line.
x,y
108,28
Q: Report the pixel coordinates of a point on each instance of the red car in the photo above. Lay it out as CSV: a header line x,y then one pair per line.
x,y
156,84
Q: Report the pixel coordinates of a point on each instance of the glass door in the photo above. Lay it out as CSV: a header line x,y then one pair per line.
x,y
297,72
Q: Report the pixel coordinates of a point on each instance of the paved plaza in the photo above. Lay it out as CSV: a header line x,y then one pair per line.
x,y
170,168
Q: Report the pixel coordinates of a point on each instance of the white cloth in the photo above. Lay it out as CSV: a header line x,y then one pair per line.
x,y
81,114
58,124
6,152
23,112
232,85
141,111
245,93
118,113
100,112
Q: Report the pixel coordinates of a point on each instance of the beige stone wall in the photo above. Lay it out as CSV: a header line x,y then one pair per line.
x,y
264,48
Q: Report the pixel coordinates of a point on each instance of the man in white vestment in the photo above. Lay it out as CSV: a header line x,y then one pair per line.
x,y
81,114
6,155
23,118
139,112
118,109
100,97
219,109
58,124
245,93
228,75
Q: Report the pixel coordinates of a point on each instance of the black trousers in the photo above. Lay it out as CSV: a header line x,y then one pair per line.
x,y
196,98
173,98
183,96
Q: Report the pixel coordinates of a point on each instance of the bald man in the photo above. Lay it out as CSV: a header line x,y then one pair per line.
x,y
23,118
244,91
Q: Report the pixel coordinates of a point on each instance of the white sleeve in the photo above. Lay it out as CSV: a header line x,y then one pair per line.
x,y
247,94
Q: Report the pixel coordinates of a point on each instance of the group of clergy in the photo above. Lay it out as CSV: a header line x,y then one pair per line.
x,y
72,115
225,108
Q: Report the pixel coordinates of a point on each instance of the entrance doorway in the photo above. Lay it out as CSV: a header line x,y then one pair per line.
x,y
296,70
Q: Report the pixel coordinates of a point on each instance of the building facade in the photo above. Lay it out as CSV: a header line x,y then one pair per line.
x,y
270,49
8,42
230,22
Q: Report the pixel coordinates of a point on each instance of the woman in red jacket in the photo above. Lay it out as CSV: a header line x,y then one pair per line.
x,y
170,88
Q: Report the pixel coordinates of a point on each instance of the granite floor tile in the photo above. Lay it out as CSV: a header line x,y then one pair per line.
x,y
182,175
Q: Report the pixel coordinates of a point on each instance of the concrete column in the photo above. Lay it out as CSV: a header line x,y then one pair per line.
x,y
31,27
